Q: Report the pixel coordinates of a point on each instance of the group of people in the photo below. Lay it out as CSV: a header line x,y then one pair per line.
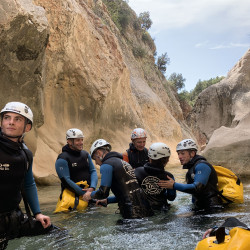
x,y
137,178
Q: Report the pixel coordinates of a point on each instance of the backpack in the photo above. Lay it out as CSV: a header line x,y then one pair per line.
x,y
229,185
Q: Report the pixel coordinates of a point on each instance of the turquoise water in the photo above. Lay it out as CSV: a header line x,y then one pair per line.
x,y
97,228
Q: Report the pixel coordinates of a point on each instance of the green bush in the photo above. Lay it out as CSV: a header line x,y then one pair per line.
x,y
120,13
139,52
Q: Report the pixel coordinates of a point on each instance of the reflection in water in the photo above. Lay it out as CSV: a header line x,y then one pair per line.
x,y
97,228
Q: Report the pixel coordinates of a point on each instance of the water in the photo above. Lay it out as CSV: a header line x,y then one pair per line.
x,y
97,228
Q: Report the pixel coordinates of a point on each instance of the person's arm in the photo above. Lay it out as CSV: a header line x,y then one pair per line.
x,y
202,173
93,173
32,198
62,170
31,192
170,193
111,199
106,171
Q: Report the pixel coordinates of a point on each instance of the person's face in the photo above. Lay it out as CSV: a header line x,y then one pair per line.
x,y
76,144
97,157
185,156
139,143
13,126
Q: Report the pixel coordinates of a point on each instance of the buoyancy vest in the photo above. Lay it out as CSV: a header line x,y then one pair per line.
x,y
131,199
15,159
148,177
137,158
204,196
78,164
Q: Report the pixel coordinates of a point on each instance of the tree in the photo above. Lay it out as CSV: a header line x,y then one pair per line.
x,y
162,61
145,21
177,81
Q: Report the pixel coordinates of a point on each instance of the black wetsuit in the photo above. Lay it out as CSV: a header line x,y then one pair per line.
x,y
135,157
202,182
148,177
119,176
73,166
15,175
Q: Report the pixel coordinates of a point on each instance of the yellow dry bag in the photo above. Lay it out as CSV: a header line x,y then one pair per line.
x,y
229,185
238,239
69,201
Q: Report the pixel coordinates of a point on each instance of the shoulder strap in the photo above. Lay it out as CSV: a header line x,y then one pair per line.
x,y
28,161
28,156
129,154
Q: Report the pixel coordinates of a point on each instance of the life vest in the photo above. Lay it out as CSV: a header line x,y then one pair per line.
x,y
238,239
229,185
135,157
204,196
148,177
130,197
78,164
69,201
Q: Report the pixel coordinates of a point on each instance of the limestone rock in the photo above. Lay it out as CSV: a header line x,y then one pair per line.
x,y
74,69
221,115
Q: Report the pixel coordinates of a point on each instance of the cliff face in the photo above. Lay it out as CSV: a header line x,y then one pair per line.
x,y
75,70
222,114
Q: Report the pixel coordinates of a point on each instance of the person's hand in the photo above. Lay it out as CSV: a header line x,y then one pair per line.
x,y
87,196
207,233
169,184
45,220
88,189
102,203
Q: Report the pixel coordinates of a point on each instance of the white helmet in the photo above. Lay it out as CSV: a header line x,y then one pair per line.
x,y
73,133
98,144
19,108
158,150
186,144
138,133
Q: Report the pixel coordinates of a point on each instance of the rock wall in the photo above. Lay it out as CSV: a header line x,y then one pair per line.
x,y
73,70
222,114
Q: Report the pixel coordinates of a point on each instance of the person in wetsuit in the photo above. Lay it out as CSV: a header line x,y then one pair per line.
x,y
152,172
16,178
137,154
75,164
201,177
118,176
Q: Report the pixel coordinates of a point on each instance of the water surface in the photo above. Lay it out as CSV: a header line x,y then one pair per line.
x,y
97,228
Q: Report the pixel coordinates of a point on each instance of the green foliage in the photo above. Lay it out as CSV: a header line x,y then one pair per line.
x,y
145,21
146,38
200,86
139,52
162,61
119,12
191,97
177,81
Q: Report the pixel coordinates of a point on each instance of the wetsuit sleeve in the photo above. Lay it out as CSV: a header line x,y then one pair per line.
x,y
31,191
93,173
62,170
202,173
106,171
125,156
111,199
